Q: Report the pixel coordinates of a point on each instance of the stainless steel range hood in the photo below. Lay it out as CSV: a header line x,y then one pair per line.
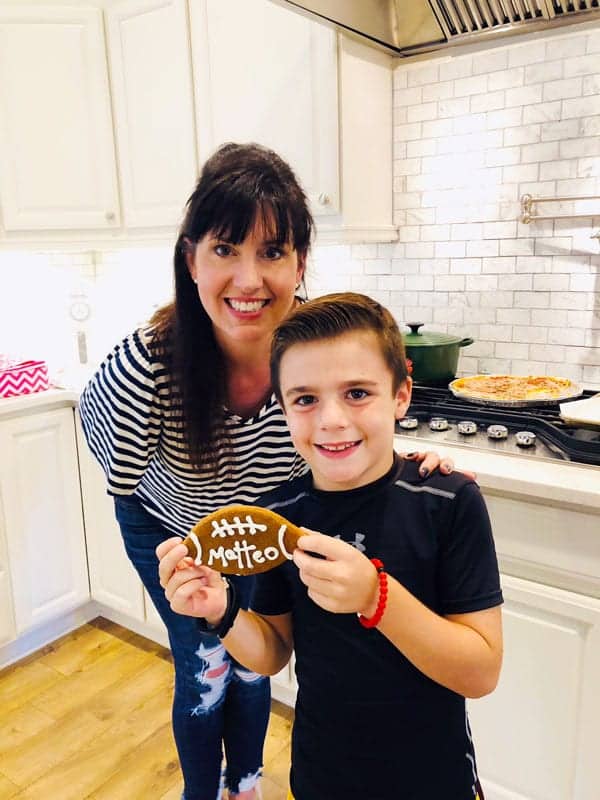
x,y
407,27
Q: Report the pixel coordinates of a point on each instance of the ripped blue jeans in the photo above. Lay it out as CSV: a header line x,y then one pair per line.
x,y
218,704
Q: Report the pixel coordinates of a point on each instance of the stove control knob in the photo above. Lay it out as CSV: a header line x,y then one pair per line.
x,y
467,427
409,423
438,424
525,438
497,432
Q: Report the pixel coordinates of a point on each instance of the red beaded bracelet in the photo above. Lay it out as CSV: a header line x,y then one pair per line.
x,y
371,622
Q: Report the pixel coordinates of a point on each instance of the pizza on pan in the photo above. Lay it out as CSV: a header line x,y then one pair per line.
x,y
514,388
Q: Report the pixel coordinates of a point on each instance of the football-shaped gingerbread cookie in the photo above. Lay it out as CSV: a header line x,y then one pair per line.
x,y
242,540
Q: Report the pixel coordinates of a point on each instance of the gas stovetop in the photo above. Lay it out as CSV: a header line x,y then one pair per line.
x,y
533,431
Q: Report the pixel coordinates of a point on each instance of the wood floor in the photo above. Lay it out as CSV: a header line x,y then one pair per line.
x,y
88,718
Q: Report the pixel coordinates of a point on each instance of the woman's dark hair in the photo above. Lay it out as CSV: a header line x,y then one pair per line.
x,y
240,185
332,315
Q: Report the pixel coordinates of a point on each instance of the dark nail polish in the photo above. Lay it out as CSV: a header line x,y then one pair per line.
x,y
423,472
411,455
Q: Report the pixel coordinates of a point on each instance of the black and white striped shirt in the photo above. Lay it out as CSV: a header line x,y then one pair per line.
x,y
136,436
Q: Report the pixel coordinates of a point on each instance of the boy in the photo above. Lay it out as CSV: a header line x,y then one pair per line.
x,y
398,619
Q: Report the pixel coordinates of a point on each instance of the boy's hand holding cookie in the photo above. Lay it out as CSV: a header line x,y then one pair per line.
x,y
196,591
344,581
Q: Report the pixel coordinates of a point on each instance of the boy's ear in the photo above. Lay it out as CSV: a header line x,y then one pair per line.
x,y
403,395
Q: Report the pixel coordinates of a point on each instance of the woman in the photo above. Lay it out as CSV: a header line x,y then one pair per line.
x,y
182,418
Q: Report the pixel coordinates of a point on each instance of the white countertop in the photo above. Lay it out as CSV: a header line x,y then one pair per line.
x,y
38,401
550,482
553,482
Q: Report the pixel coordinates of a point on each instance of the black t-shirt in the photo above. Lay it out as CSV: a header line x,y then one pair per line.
x,y
369,725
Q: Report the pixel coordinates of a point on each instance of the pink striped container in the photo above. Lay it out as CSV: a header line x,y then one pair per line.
x,y
26,377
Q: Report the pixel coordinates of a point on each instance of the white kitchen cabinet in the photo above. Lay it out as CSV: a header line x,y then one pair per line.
x,y
113,581
323,101
151,82
536,736
43,524
8,630
265,74
57,164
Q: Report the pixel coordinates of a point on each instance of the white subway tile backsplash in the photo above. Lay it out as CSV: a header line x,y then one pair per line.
x,y
420,250
512,350
581,106
542,112
516,283
532,299
465,266
550,283
499,266
578,301
517,247
507,118
591,84
449,283
455,68
570,336
421,75
547,352
561,90
422,112
580,65
450,249
530,334
506,79
473,133
549,319
527,53
514,316
545,151
407,97
525,95
484,248
490,101
541,73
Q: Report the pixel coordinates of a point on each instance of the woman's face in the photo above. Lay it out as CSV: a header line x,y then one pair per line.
x,y
246,289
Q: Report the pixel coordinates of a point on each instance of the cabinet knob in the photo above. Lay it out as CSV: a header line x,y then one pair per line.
x,y
324,199
110,216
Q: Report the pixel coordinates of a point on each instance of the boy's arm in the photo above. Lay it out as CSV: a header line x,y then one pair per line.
x,y
461,651
261,643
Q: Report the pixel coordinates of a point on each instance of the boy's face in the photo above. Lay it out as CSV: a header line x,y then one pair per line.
x,y
340,407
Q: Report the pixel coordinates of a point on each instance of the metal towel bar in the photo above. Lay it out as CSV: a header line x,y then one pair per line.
x,y
527,203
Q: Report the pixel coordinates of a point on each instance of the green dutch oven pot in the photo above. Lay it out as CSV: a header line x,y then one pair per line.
x,y
434,355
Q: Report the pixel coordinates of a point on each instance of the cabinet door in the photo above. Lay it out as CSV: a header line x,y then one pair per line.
x,y
7,618
57,165
113,580
536,736
265,74
42,515
151,81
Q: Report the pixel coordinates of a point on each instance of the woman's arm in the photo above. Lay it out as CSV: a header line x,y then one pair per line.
x,y
261,643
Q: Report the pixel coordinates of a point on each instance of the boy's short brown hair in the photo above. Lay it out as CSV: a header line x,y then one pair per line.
x,y
333,315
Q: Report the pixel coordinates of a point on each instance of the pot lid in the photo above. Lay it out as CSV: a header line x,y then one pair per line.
x,y
428,338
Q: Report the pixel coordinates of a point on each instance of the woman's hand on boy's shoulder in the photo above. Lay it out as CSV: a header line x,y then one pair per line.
x,y
342,581
430,460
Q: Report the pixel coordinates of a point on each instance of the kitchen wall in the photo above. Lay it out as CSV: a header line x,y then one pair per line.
x,y
473,132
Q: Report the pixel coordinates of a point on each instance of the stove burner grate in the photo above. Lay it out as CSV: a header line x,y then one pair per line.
x,y
570,443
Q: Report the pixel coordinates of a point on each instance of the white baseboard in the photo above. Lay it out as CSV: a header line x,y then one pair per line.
x,y
44,634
